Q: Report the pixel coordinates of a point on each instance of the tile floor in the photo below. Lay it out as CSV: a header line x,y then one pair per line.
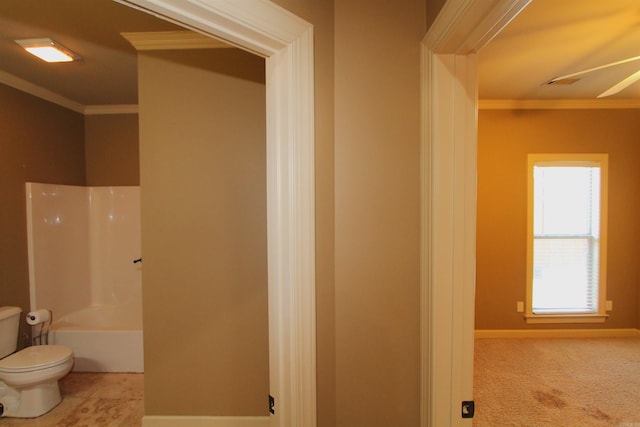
x,y
93,400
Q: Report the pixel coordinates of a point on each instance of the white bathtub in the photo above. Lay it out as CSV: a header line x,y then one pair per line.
x,y
103,338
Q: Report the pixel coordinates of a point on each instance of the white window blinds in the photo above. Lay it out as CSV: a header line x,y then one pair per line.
x,y
566,231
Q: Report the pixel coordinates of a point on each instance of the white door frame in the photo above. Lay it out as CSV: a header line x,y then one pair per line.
x,y
286,43
448,174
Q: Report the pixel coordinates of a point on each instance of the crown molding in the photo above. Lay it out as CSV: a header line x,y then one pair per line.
x,y
558,104
141,41
40,92
465,26
25,86
167,40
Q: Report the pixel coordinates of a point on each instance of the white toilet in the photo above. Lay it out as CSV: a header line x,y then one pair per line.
x,y
28,378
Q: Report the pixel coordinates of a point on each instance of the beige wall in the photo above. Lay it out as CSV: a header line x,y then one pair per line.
x,y
203,191
111,149
39,142
377,107
368,238
505,139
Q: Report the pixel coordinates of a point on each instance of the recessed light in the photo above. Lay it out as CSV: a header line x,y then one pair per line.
x,y
48,50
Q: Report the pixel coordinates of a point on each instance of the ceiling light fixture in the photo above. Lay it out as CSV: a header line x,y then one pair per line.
x,y
48,50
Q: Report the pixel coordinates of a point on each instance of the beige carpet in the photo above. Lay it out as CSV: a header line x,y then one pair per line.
x,y
557,382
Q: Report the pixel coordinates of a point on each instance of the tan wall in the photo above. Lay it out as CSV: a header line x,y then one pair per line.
x,y
39,142
505,139
377,105
111,149
373,343
203,191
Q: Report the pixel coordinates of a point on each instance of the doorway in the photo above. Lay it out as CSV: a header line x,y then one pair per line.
x,y
448,164
288,53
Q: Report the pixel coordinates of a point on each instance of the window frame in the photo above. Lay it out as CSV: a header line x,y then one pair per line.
x,y
558,160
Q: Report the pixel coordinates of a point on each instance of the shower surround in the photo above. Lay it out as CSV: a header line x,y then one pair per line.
x,y
82,244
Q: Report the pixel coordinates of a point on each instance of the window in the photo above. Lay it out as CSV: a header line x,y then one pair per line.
x,y
566,238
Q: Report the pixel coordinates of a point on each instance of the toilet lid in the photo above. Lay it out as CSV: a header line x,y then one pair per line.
x,y
35,357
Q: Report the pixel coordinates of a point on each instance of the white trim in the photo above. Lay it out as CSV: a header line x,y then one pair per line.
x,y
600,160
286,42
190,421
533,319
558,104
448,170
49,96
291,228
449,303
39,92
258,26
464,26
557,333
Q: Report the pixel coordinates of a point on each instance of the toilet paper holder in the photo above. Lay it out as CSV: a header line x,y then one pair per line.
x,y
42,318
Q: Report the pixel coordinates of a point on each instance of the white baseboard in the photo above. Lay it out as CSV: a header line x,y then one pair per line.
x,y
192,421
557,333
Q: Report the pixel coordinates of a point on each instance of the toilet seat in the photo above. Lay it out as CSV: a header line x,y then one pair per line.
x,y
36,358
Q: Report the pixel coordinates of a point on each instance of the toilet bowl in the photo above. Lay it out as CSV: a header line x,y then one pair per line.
x,y
29,377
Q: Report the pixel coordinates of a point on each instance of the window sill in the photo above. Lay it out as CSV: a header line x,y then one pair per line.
x,y
566,318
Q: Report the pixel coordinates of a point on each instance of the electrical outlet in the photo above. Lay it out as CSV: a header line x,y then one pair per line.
x,y
520,306
468,409
609,305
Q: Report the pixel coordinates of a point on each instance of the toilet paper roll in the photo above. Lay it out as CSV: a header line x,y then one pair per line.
x,y
38,316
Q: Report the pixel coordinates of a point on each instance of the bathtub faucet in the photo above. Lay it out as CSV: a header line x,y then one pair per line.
x,y
137,260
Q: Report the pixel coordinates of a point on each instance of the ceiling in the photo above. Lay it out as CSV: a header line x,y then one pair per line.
x,y
107,73
550,38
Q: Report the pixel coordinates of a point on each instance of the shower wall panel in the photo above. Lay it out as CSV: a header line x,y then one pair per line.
x,y
82,244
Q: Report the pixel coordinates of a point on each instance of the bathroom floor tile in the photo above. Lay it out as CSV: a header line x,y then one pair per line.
x,y
121,386
103,413
92,400
80,384
52,418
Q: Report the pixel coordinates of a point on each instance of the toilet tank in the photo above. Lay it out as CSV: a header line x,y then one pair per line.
x,y
9,325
